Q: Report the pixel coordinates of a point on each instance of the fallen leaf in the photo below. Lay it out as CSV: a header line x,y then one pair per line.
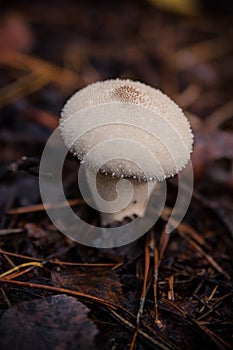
x,y
98,282
56,323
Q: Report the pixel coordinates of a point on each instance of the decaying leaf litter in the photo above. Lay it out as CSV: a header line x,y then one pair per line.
x,y
164,292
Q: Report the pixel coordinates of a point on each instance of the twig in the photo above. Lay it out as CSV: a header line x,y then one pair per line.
x,y
59,290
216,304
16,268
210,297
209,258
22,87
61,76
171,295
5,297
129,325
8,231
211,335
184,228
143,294
163,243
59,262
20,273
41,207
216,339
8,259
156,275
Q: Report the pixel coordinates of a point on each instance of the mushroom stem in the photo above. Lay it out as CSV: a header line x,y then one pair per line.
x,y
124,197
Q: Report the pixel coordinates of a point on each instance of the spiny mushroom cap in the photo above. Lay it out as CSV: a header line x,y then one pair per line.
x,y
128,110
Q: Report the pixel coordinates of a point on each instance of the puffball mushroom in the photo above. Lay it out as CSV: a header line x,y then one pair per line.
x,y
131,113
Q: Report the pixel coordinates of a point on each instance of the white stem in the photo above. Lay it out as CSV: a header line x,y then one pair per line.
x,y
119,201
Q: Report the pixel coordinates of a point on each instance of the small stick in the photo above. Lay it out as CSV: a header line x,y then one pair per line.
x,y
155,284
143,295
216,304
41,207
210,297
209,258
16,268
163,244
59,262
8,231
5,297
8,259
129,325
61,76
59,290
171,295
20,273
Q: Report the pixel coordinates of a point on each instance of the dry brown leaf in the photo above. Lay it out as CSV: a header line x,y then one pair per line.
x,y
56,323
98,282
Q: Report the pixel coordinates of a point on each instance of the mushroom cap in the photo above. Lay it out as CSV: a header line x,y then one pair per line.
x,y
118,115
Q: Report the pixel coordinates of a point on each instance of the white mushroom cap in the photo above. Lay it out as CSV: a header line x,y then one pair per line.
x,y
133,109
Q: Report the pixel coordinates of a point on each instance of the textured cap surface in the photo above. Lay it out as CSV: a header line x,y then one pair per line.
x,y
132,122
